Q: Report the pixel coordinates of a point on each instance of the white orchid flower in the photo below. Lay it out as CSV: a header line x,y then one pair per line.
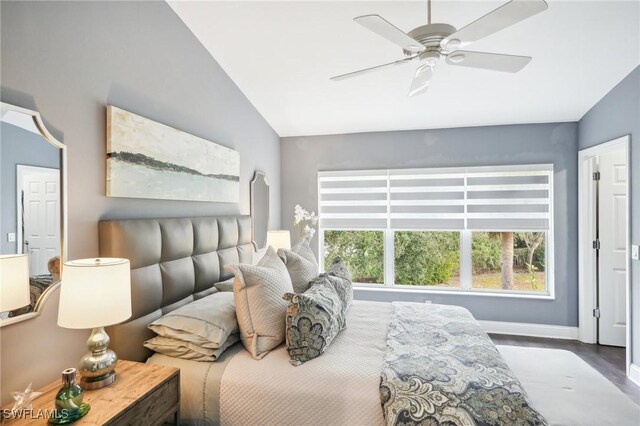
x,y
314,218
303,217
309,231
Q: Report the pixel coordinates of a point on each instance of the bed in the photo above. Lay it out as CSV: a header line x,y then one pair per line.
x,y
393,363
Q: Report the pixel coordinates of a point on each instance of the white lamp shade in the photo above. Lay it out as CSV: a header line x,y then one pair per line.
x,y
279,240
14,281
95,293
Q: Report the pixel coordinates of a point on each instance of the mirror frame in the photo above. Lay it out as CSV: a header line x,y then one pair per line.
x,y
257,175
48,137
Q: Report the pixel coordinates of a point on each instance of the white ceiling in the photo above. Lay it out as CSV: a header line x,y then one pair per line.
x,y
281,55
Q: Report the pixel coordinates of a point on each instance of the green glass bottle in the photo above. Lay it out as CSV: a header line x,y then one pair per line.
x,y
69,405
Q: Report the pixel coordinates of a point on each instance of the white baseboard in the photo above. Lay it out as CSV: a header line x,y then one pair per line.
x,y
533,330
634,374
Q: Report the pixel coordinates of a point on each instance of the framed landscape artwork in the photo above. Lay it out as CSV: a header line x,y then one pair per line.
x,y
146,159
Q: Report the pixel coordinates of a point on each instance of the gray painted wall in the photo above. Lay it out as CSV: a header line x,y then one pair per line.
x,y
69,60
618,114
19,146
303,157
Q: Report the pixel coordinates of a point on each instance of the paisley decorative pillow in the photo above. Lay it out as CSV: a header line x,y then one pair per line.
x,y
301,264
338,276
314,318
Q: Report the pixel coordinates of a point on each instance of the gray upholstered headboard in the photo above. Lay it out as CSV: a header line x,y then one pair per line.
x,y
173,262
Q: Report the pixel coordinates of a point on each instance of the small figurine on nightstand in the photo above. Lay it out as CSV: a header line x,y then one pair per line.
x,y
24,399
69,405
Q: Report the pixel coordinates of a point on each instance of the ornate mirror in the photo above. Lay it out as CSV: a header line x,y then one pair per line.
x,y
260,209
33,224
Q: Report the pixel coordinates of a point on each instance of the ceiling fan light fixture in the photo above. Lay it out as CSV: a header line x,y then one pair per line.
x,y
453,44
414,48
430,57
430,42
457,58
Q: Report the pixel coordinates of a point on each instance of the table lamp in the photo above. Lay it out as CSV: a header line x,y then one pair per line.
x,y
14,282
95,293
279,240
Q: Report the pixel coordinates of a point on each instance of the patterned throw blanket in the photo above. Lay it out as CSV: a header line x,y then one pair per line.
x,y
441,368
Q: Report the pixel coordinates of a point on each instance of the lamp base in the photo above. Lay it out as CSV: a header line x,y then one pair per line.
x,y
97,367
91,383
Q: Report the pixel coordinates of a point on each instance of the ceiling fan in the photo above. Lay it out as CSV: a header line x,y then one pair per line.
x,y
428,43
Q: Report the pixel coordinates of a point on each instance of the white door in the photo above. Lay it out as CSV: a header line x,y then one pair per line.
x,y
39,199
612,212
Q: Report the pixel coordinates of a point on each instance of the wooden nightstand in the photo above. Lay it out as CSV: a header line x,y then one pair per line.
x,y
143,394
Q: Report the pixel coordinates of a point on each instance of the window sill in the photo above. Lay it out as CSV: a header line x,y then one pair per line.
x,y
412,289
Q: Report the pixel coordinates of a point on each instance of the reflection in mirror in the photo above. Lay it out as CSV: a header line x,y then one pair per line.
x,y
31,195
260,208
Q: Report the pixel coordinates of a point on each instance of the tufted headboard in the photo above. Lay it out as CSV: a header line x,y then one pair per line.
x,y
173,262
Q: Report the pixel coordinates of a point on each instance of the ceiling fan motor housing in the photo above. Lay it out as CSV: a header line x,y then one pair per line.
x,y
430,36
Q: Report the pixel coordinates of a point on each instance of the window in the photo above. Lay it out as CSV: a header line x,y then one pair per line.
x,y
480,229
509,261
427,258
362,250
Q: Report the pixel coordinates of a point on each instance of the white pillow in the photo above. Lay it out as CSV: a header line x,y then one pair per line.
x,y
206,322
260,308
301,264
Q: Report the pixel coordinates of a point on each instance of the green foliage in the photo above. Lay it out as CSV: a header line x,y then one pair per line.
x,y
362,252
521,242
538,257
426,258
486,252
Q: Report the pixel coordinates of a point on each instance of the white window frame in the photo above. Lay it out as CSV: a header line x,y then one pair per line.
x,y
466,273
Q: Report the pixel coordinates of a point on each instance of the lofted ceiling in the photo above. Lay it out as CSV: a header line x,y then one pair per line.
x,y
282,54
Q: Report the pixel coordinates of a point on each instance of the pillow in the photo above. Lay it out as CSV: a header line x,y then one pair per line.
x,y
185,350
301,264
314,318
260,309
206,322
339,277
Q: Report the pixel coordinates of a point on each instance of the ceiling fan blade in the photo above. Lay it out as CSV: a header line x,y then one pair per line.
x,y
488,61
499,19
386,29
421,79
366,70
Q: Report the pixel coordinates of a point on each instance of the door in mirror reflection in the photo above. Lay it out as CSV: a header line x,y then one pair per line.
x,y
39,212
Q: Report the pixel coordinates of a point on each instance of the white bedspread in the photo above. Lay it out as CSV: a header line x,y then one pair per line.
x,y
338,388
199,386
341,387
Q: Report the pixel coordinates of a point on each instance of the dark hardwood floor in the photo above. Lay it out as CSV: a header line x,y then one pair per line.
x,y
608,360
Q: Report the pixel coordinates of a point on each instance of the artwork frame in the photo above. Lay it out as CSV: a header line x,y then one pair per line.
x,y
147,159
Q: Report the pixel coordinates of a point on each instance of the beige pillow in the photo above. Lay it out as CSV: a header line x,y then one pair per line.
x,y
301,264
206,322
260,308
185,350
227,285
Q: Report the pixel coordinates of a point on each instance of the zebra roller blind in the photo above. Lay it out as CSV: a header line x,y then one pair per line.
x,y
501,198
